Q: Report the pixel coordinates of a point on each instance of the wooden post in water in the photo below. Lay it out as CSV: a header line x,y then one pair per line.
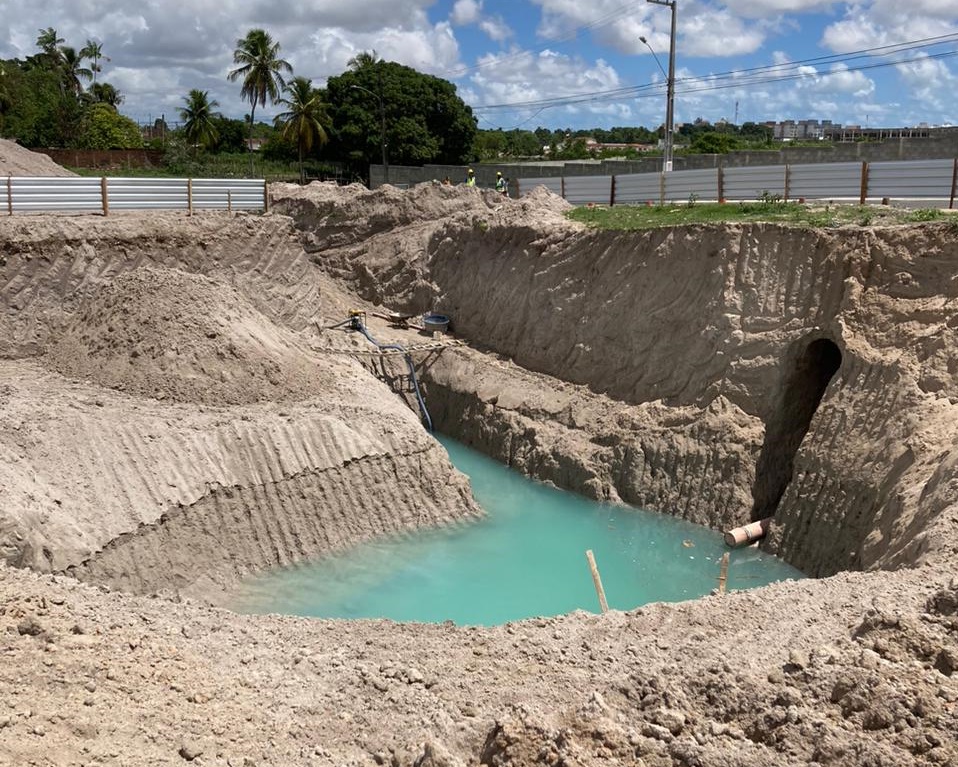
x,y
723,573
597,580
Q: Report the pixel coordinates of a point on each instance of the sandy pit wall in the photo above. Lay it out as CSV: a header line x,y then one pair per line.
x,y
166,422
704,330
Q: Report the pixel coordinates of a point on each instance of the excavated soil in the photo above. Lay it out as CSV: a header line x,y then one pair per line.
x,y
176,413
17,161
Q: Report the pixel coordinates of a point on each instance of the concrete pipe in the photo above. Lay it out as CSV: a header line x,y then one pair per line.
x,y
749,533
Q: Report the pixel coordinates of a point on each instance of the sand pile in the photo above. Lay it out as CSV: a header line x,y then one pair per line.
x,y
166,334
17,161
381,242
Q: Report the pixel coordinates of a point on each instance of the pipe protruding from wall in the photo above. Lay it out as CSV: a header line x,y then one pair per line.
x,y
753,531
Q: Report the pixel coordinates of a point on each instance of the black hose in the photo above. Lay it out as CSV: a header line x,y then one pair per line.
x,y
357,324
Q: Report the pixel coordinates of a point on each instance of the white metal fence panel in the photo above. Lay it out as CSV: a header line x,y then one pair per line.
x,y
753,183
552,183
637,188
147,193
80,194
581,190
54,193
910,180
826,181
683,185
240,194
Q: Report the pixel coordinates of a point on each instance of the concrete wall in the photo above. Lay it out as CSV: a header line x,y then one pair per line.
x,y
943,144
105,158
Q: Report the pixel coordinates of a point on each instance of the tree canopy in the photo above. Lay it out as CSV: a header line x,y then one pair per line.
x,y
425,120
102,127
44,102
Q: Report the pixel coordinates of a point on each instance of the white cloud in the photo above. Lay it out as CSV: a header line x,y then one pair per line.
x,y
496,29
465,12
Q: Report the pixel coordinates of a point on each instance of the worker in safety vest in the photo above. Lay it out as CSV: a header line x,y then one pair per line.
x,y
502,186
470,177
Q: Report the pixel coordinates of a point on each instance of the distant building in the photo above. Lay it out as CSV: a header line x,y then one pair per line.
x,y
597,146
826,130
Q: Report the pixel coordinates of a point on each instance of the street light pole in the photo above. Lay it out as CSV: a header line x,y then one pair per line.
x,y
382,134
670,90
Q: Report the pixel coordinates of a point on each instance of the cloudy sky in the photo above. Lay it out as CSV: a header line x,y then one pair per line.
x,y
557,63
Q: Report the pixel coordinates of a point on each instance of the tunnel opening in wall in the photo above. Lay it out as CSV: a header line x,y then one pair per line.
x,y
808,372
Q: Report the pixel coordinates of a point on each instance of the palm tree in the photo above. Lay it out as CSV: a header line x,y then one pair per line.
x,y
72,69
94,52
48,41
104,93
257,57
304,117
198,116
362,60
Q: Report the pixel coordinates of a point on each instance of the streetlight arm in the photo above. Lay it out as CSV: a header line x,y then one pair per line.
x,y
654,56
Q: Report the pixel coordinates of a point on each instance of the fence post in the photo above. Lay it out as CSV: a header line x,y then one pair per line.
x,y
229,201
104,197
562,188
10,194
954,183
864,189
788,181
265,196
189,196
612,193
721,184
662,188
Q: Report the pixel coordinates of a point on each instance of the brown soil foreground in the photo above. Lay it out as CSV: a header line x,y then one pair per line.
x,y
176,412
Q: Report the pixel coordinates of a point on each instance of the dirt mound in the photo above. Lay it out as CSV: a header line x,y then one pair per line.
x,y
381,242
353,213
17,161
163,333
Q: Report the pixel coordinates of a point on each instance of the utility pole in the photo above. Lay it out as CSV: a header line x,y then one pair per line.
x,y
670,91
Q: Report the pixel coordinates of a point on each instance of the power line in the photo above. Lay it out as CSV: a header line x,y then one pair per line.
x,y
752,75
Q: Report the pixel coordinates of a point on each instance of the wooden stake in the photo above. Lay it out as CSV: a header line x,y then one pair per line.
x,y
265,196
788,181
104,197
954,184
597,580
864,190
10,195
189,196
723,573
229,201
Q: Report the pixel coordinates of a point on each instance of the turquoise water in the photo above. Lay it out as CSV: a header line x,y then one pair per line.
x,y
527,558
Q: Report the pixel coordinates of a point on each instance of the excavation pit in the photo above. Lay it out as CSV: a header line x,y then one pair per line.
x,y
155,449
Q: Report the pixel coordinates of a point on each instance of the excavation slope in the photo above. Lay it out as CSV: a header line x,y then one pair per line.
x,y
822,357
166,420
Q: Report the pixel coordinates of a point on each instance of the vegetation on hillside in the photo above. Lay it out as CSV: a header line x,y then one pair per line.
x,y
769,209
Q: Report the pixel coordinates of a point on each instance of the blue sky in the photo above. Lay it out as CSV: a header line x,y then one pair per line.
x,y
561,63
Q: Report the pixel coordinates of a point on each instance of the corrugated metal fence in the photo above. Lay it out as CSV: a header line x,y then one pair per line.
x,y
861,182
31,194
